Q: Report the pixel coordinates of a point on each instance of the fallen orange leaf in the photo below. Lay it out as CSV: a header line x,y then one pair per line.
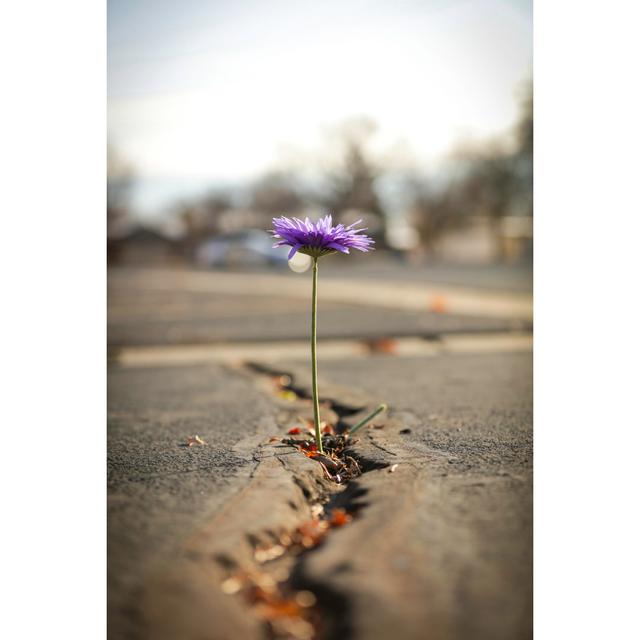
x,y
312,532
339,517
279,609
438,304
308,446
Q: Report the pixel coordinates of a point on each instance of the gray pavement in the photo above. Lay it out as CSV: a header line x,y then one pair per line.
x,y
490,277
476,409
158,490
149,307
446,547
442,549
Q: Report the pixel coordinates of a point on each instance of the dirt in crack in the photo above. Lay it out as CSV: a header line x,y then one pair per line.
x,y
285,387
276,586
337,465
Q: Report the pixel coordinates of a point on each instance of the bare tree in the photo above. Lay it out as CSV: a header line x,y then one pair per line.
x,y
434,212
350,184
276,194
492,181
120,179
500,181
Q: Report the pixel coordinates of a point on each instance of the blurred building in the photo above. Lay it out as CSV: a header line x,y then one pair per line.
x,y
140,246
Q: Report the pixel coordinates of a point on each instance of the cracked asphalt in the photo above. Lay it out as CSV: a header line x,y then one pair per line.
x,y
459,543
459,540
158,489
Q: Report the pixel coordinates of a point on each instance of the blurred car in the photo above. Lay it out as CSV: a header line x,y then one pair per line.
x,y
241,249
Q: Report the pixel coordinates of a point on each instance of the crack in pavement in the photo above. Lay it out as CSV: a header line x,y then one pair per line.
x,y
367,578
332,607
284,490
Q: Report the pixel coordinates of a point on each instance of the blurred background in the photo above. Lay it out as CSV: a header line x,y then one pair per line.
x,y
414,116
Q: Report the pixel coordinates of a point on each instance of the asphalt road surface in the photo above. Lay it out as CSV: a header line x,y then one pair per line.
x,y
155,307
454,534
445,554
158,489
468,527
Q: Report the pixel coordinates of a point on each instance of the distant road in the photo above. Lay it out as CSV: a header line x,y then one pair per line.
x,y
517,278
162,306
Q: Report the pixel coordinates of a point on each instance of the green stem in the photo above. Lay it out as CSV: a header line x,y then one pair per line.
x,y
364,421
314,356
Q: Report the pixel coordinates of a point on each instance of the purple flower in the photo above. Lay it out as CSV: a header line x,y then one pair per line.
x,y
320,238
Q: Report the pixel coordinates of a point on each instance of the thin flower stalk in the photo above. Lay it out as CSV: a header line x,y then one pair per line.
x,y
314,357
317,239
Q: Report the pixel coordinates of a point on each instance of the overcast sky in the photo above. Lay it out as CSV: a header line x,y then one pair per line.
x,y
221,90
